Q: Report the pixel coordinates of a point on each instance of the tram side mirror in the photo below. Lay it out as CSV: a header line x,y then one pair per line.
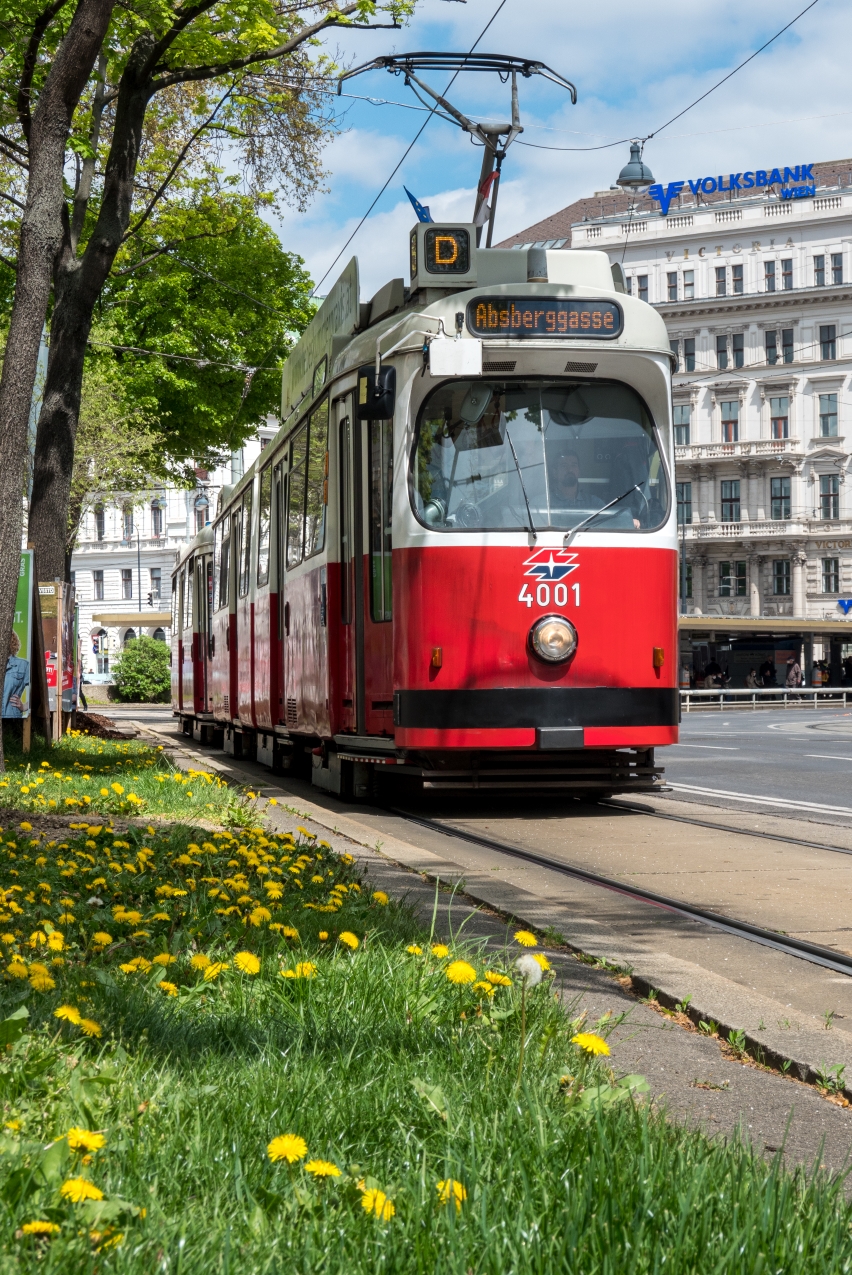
x,y
376,399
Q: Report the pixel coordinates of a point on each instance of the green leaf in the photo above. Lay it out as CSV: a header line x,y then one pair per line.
x,y
52,1161
12,1028
433,1096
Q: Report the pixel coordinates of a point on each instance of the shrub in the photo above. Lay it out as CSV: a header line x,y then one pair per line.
x,y
143,674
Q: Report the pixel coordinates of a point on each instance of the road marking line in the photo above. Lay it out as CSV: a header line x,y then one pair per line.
x,y
765,801
717,748
827,756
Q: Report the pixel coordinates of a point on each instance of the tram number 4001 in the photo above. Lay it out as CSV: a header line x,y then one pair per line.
x,y
543,595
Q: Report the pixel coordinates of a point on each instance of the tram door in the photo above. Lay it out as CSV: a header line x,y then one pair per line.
x,y
233,617
366,581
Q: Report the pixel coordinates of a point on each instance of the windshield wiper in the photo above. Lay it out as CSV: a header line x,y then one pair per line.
x,y
532,528
572,533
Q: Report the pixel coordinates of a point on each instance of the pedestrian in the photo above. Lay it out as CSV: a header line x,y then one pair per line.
x,y
753,682
794,673
767,673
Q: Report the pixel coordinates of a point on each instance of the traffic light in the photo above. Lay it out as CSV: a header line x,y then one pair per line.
x,y
150,599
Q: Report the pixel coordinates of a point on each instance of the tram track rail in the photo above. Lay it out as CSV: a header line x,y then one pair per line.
x,y
785,943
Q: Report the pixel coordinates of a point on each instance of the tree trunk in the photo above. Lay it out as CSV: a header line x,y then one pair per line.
x,y
78,285
40,238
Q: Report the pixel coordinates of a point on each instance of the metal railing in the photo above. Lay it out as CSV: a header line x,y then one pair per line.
x,y
768,697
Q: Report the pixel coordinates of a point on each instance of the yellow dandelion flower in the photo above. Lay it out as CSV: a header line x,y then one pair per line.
x,y
414,949
542,960
323,935
17,969
213,971
377,1202
247,963
169,988
200,961
163,958
84,1140
451,1190
69,1014
289,1147
351,940
499,980
289,932
117,788
55,941
525,938
79,1189
322,1169
440,950
259,915
41,982
487,989
90,1028
25,827
40,1228
460,972
161,916
37,938
380,897
590,1043
305,969
101,936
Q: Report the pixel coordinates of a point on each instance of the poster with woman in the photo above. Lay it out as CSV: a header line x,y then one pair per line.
x,y
16,683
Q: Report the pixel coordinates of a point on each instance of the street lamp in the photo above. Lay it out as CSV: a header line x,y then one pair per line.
x,y
635,174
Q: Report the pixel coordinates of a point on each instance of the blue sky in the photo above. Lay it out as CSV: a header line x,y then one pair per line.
x,y
634,65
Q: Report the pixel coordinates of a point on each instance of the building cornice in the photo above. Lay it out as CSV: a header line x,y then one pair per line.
x,y
754,301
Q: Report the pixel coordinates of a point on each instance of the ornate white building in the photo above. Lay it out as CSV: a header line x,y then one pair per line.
x,y
121,567
756,291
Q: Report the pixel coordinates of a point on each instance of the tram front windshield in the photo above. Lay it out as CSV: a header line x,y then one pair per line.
x,y
500,455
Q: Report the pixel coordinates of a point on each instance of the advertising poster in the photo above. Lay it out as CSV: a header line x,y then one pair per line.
x,y
49,618
16,683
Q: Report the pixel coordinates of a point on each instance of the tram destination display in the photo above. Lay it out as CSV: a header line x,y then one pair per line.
x,y
522,317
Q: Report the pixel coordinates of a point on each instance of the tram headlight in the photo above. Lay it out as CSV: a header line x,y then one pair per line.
x,y
553,638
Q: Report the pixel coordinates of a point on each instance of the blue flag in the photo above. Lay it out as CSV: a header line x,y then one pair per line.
x,y
423,213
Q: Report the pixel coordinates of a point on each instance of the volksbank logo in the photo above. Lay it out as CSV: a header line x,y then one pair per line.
x,y
761,177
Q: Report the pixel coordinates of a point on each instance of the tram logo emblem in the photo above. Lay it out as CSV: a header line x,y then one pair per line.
x,y
551,564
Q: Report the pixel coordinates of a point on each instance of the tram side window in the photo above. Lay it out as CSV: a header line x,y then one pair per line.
x,y
296,498
263,528
381,505
224,571
188,587
245,556
346,546
316,494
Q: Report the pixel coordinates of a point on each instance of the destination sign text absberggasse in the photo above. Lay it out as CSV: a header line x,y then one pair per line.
x,y
801,175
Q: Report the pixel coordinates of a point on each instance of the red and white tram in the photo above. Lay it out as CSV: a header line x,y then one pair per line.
x,y
457,560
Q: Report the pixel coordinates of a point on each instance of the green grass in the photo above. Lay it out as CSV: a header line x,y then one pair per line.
x,y
79,774
386,1068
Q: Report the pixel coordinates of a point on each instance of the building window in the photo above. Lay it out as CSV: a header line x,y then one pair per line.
x,y
737,279
129,636
689,354
682,422
738,346
771,339
642,284
684,503
98,582
628,283
721,275
688,574
731,425
156,584
731,500
689,285
126,582
828,342
674,346
779,490
787,274
159,635
128,530
781,577
769,276
828,415
819,272
671,279
837,267
733,581
721,352
156,519
787,344
100,522
829,496
779,415
831,575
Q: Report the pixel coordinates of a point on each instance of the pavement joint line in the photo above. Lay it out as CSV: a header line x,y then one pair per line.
x,y
425,864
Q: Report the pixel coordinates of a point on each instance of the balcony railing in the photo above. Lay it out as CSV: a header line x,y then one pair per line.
x,y
113,544
767,527
768,447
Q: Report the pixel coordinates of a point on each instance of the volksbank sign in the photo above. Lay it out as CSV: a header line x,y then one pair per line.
x,y
801,175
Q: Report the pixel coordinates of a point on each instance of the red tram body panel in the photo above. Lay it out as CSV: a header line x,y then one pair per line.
x,y
456,564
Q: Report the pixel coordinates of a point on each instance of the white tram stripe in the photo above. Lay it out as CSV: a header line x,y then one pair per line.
x,y
765,801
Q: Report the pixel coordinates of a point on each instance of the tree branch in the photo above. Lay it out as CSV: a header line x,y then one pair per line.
x,y
152,256
183,20
22,103
190,74
12,200
13,265
161,189
84,188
